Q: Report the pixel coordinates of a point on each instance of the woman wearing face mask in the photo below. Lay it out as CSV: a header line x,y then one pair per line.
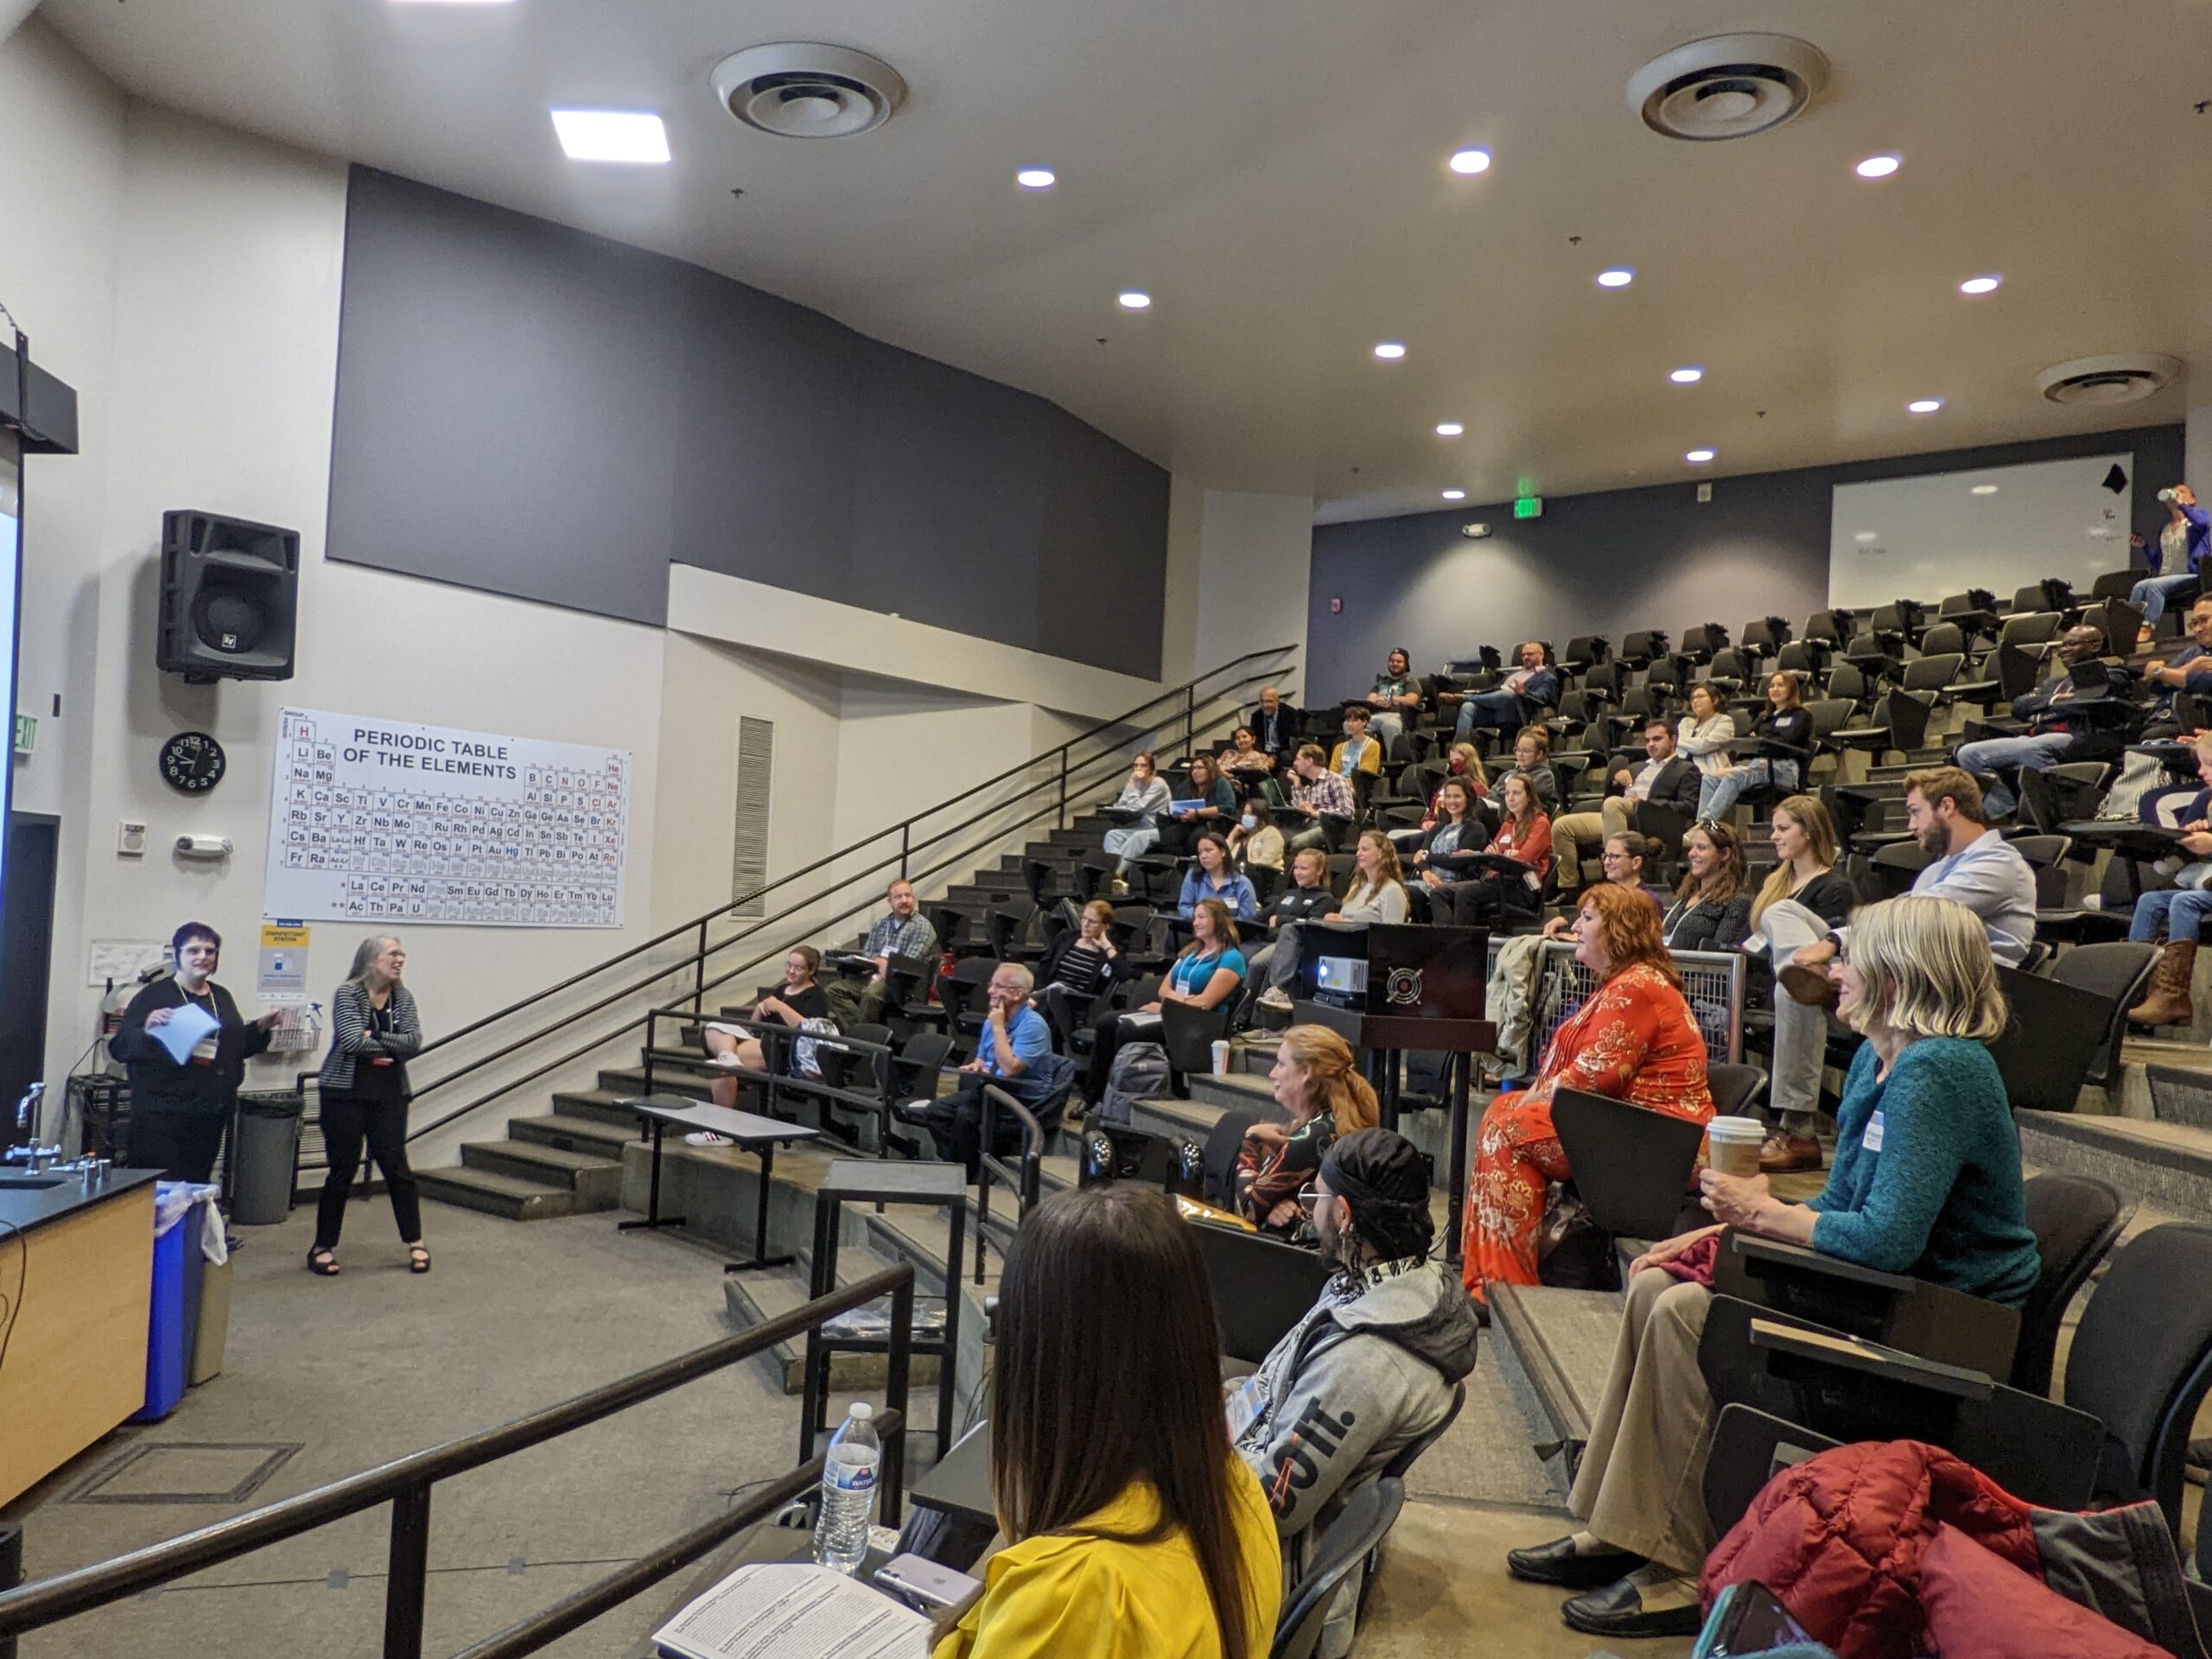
x,y
1464,763
1216,877
1256,841
1711,910
179,1109
374,1029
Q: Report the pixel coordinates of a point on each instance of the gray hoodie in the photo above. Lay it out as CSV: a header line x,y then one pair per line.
x,y
1366,1373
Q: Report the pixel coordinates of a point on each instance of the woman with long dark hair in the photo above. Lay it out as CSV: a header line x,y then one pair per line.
x,y
1134,1532
1713,906
375,1029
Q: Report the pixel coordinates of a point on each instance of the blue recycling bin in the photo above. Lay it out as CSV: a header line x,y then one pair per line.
x,y
168,1339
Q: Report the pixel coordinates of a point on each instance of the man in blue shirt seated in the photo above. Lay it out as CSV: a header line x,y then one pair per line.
x,y
2188,669
1521,697
1014,1052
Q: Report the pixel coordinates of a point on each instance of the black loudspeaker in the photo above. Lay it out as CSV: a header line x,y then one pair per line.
x,y
230,598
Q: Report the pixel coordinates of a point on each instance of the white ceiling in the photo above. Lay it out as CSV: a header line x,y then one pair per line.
x,y
1272,171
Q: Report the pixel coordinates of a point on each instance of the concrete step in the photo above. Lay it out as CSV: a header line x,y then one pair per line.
x,y
2180,1094
598,1137
2167,1165
595,1181
628,1083
1563,1340
512,1198
753,1298
604,1107
1243,1090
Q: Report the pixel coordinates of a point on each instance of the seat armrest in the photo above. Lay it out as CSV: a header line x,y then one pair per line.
x,y
1870,1359
1798,1257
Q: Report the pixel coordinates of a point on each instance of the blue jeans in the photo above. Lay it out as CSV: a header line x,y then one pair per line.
x,y
1130,844
1500,708
1717,793
2028,753
2179,911
2152,593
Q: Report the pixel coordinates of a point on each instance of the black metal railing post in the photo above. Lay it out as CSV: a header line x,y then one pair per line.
x,y
1190,716
1060,818
905,846
408,1580
896,1382
699,971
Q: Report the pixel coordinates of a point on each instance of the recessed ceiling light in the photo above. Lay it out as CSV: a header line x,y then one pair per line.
x,y
455,3
1879,167
1985,489
1035,178
1979,284
611,136
1455,495
1924,405
1469,161
1390,350
1135,299
1865,536
1449,428
1618,277
1687,375
1698,457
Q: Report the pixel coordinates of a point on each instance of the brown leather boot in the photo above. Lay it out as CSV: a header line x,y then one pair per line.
x,y
2167,1001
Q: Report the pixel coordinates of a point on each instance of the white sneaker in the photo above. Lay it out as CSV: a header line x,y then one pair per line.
x,y
1276,998
705,1138
727,1061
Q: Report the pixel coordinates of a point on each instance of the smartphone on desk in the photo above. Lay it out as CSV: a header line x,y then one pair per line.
x,y
928,1587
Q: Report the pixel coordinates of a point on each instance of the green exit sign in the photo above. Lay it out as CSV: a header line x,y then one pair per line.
x,y
1529,506
25,734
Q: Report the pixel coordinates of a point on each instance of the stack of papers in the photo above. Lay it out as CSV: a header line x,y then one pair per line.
x,y
181,1032
777,1609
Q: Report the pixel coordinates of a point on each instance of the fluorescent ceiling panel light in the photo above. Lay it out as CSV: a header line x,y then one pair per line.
x,y
611,136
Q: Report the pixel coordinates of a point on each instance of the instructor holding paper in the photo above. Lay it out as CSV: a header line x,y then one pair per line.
x,y
185,1048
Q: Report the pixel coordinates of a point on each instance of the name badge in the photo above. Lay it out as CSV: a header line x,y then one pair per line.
x,y
1872,1140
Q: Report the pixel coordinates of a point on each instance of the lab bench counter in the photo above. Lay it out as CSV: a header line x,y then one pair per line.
x,y
76,1271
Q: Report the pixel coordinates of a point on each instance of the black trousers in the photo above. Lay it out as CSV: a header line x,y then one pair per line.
x,y
957,1121
182,1145
346,1121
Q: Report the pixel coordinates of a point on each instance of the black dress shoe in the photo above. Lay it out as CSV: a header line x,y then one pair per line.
x,y
1618,1609
1557,1563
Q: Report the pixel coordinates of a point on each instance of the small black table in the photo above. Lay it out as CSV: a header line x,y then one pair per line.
x,y
748,1131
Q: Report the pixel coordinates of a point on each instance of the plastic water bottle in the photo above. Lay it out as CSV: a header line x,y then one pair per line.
x,y
848,1491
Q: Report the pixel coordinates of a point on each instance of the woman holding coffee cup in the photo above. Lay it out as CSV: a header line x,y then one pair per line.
x,y
1926,1182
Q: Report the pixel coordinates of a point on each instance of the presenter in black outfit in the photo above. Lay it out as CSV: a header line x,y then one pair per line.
x,y
374,1029
179,1112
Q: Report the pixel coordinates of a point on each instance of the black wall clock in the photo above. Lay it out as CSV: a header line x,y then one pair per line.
x,y
194,762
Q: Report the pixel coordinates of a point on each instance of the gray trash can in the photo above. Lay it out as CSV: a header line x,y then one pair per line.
x,y
264,1164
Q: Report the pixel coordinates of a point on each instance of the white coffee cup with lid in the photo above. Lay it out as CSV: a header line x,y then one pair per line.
x,y
1733,1144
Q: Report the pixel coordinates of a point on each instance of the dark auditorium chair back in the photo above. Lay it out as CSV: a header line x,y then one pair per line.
x,y
1631,1165
1361,1525
2077,1220
2052,1039
1261,1286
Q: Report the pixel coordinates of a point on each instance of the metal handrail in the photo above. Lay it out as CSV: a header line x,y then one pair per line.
x,y
1023,1179
405,1484
1067,777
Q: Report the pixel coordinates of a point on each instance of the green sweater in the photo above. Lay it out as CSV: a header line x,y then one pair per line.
x,y
1940,1195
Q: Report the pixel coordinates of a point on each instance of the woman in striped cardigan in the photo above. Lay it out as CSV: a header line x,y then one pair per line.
x,y
375,1029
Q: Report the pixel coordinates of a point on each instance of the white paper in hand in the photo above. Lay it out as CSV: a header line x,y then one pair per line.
x,y
181,1032
780,1609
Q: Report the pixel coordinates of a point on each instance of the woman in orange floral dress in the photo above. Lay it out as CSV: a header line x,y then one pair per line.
x,y
1633,1040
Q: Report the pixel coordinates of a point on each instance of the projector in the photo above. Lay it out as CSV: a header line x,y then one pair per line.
x,y
1475,532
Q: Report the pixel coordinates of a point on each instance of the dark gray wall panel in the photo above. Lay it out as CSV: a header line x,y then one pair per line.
x,y
504,417
1622,559
528,410
1104,500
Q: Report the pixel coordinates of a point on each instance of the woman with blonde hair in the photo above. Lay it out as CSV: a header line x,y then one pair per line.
x,y
1784,730
1927,1182
1378,893
1803,901
1317,1081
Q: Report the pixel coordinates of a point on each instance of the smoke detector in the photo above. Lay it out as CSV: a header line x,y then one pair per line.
x,y
1727,87
2126,377
800,89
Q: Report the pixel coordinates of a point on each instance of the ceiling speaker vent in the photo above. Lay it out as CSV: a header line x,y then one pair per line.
x,y
1727,87
797,89
2128,377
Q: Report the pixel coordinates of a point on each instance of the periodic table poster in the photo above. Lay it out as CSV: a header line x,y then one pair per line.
x,y
378,820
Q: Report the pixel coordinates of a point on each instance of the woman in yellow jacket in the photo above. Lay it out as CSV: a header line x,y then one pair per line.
x,y
1136,1533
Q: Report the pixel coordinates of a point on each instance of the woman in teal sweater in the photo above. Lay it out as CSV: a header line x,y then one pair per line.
x,y
1927,1182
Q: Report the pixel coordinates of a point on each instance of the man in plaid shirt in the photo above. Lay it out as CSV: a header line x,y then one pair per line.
x,y
904,932
1320,792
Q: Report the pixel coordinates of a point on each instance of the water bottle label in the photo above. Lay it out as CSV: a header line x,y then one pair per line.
x,y
850,1477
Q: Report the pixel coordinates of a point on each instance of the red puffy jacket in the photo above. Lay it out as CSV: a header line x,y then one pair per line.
x,y
1839,1537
